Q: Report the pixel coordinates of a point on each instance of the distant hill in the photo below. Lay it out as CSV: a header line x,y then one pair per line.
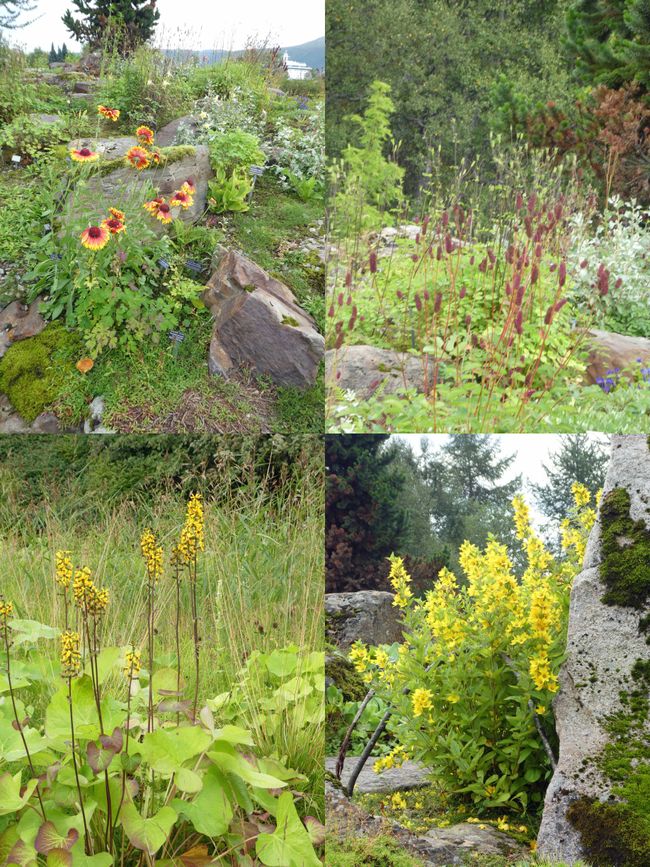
x,y
312,53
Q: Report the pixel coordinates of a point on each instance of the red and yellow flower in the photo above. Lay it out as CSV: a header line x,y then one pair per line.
x,y
181,198
95,237
138,157
119,215
109,113
153,205
114,225
164,213
145,135
189,187
84,155
156,156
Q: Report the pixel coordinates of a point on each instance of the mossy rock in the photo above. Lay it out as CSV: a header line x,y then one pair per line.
x,y
625,566
611,833
168,156
32,374
343,674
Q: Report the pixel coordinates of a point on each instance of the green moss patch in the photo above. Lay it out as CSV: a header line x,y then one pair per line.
x,y
611,834
168,156
339,669
381,851
625,544
33,373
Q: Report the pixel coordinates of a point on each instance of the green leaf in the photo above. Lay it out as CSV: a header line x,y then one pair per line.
x,y
188,781
211,811
166,750
11,800
11,743
235,736
281,663
31,630
290,844
86,722
148,835
230,761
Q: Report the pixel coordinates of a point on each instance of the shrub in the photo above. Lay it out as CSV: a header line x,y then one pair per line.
x,y
236,149
229,192
30,138
147,88
472,685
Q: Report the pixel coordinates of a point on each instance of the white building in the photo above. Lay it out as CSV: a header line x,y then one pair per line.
x,y
296,69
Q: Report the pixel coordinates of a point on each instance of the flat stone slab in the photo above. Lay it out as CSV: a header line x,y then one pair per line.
x,y
411,775
467,837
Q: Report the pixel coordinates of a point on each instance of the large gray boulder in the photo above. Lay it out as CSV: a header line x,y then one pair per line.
x,y
259,323
18,322
411,775
606,673
610,351
367,615
166,136
117,188
368,369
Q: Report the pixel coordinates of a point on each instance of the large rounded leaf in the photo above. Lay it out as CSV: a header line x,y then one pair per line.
x,y
289,845
210,812
148,835
86,722
166,750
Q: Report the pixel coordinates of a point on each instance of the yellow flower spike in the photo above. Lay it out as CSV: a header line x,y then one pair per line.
x,y
63,569
132,664
192,538
152,554
400,582
6,611
581,495
70,655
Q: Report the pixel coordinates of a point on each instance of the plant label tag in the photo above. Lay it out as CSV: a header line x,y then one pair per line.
x,y
16,160
193,265
177,336
164,264
257,171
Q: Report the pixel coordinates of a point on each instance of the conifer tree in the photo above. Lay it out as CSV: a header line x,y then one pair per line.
x,y
609,40
53,55
10,10
131,22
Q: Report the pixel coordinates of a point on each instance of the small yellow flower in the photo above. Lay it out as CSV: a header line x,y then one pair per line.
x,y
453,698
192,535
6,610
581,495
422,700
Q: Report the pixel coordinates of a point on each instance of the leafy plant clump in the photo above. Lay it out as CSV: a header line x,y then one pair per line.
x,y
472,685
130,762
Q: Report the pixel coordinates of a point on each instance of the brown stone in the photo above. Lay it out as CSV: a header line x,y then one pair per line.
x,y
19,321
609,351
258,323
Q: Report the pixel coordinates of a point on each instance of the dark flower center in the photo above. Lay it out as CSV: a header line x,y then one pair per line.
x,y
95,232
85,152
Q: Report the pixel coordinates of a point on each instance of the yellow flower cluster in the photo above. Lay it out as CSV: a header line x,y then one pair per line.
x,y
544,614
397,801
6,610
193,533
422,699
91,599
70,655
63,569
395,759
359,656
400,581
152,554
581,495
132,664
541,673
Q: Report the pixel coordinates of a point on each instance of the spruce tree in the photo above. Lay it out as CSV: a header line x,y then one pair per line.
x,y
579,458
609,41
131,22
64,51
53,56
10,10
364,522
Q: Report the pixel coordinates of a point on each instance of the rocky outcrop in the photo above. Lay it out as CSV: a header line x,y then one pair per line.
x,y
12,422
367,369
591,806
611,352
18,322
114,189
410,776
166,136
109,148
367,615
440,847
258,323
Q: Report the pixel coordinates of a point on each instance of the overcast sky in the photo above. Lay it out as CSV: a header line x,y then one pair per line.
x,y
531,452
198,24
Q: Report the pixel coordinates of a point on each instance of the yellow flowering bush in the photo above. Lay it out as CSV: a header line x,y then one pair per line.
x,y
473,682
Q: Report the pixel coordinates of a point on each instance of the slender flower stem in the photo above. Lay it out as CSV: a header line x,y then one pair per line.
x,y
195,619
178,641
87,841
18,723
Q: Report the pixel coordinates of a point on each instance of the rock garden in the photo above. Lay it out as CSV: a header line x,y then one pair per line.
x,y
161,244
500,715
